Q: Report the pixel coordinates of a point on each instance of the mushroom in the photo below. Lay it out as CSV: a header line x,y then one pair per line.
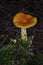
x,y
24,21
14,41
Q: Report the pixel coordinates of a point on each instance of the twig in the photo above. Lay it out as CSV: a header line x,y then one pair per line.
x,y
4,39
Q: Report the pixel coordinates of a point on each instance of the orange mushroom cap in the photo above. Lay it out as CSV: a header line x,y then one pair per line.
x,y
22,20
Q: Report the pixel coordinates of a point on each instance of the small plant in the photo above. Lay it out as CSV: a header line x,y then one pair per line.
x,y
20,53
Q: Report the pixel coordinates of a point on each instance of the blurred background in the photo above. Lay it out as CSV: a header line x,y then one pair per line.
x,y
8,9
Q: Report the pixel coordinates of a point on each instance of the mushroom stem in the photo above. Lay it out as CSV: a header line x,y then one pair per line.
x,y
23,34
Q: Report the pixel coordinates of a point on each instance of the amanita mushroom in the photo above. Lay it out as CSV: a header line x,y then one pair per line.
x,y
24,21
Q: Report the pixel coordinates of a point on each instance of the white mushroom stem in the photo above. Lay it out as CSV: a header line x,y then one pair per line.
x,y
23,34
